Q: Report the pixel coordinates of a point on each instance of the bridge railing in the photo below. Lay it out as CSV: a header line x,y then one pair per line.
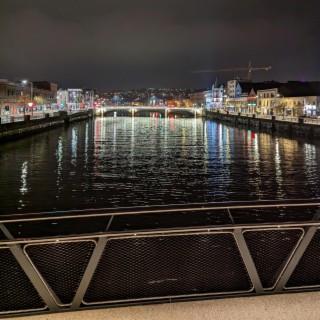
x,y
106,257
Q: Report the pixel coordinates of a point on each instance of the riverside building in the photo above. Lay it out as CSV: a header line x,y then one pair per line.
x,y
242,95
18,98
211,99
71,99
291,99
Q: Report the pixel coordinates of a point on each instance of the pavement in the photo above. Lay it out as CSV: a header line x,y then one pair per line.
x,y
300,306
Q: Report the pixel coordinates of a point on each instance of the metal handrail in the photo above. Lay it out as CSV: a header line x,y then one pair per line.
x,y
90,213
159,232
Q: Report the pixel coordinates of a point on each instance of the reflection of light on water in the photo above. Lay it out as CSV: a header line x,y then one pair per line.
x,y
172,124
310,158
132,144
205,137
256,156
205,147
219,160
59,155
74,146
86,144
220,143
174,165
311,165
100,128
227,145
183,143
224,144
114,140
256,148
195,128
24,173
255,161
279,178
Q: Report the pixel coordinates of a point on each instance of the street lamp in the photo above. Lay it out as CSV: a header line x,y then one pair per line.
x,y
31,92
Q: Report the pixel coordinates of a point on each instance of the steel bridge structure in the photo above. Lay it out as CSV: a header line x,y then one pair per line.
x,y
82,259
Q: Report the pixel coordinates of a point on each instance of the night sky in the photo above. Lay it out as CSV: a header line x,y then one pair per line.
x,y
124,44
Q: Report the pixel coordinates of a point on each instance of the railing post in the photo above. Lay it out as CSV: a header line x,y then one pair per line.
x,y
31,273
309,234
247,259
88,274
91,267
296,258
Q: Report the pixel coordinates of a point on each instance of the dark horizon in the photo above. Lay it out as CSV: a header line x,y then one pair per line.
x,y
122,44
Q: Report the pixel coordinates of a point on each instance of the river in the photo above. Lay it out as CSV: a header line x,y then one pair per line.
x,y
122,161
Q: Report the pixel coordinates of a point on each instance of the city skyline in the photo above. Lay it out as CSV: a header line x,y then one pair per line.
x,y
124,44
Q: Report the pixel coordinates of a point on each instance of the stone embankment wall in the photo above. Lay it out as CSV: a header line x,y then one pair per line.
x,y
18,130
296,128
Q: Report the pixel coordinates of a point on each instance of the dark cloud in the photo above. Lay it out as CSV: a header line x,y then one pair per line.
x,y
126,43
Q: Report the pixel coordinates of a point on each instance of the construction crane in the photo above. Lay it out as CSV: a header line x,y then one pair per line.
x,y
249,69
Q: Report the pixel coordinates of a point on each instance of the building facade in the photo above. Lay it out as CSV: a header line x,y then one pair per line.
x,y
291,99
215,97
243,96
211,99
17,98
71,99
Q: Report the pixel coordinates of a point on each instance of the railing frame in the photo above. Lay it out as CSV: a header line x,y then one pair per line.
x,y
53,303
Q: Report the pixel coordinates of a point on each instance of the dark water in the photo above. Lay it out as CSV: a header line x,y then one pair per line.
x,y
111,162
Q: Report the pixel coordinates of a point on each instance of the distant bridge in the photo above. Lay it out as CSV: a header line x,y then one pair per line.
x,y
163,110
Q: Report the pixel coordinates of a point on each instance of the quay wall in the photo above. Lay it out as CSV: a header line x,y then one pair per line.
x,y
296,128
17,130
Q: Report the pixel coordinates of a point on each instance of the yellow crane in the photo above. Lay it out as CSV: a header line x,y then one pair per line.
x,y
249,69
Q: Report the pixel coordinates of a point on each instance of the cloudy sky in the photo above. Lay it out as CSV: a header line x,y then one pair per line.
x,y
111,44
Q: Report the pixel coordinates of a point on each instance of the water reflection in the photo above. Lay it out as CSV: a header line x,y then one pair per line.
x,y
59,155
86,146
118,161
279,178
74,147
311,166
24,172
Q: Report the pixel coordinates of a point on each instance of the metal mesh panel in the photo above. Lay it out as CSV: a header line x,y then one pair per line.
x,y
307,272
163,266
16,291
2,236
270,250
62,265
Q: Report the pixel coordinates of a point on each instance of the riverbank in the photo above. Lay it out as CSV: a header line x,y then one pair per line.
x,y
298,126
21,129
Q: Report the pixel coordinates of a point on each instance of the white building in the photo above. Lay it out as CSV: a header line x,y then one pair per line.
x,y
215,97
70,99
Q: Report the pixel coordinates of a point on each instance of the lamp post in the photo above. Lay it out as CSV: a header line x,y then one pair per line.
x,y
31,93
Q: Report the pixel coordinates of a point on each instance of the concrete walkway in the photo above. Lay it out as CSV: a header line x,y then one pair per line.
x,y
300,306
